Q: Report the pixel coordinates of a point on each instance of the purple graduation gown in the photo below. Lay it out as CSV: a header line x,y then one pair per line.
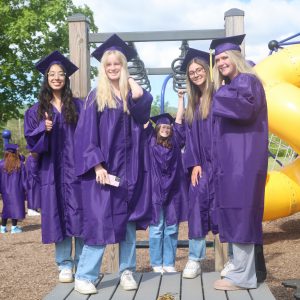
x,y
61,203
198,152
13,191
33,183
169,183
114,139
241,155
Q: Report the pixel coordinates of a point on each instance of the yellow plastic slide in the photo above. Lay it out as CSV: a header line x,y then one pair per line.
x,y
280,73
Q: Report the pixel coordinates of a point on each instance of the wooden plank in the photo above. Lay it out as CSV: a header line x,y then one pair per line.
x,y
107,287
74,295
209,292
191,289
149,287
171,284
60,291
121,294
239,295
261,293
221,254
113,258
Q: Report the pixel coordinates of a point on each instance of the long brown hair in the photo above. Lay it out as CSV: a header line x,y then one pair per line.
x,y
11,162
194,93
165,142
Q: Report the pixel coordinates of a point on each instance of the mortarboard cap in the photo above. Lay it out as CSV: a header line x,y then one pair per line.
x,y
114,43
11,147
227,43
164,118
56,58
191,54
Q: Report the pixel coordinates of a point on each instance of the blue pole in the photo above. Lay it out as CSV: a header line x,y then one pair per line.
x,y
162,94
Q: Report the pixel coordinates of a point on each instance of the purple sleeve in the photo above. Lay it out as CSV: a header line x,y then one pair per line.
x,y
140,108
238,100
179,134
35,132
192,151
24,177
87,137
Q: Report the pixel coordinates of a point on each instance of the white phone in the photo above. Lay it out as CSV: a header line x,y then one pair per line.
x,y
113,180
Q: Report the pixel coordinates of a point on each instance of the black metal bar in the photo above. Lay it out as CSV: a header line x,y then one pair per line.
x,y
180,244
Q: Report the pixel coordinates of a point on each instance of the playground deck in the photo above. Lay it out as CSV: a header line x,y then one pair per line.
x,y
153,285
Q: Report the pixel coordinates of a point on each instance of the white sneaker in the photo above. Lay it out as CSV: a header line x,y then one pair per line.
x,y
227,267
65,275
85,287
33,213
169,269
158,269
127,281
192,269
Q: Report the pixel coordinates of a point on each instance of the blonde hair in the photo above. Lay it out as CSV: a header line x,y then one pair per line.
x,y
241,64
105,95
194,93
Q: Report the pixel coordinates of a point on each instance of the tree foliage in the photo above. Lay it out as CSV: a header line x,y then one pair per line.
x,y
29,30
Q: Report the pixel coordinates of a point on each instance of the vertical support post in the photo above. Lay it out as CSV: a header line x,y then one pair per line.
x,y
234,24
79,54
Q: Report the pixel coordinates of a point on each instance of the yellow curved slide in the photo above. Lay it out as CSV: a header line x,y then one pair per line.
x,y
280,73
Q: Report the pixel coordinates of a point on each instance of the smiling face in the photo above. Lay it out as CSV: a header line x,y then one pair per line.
x,y
197,74
56,77
225,66
113,67
164,130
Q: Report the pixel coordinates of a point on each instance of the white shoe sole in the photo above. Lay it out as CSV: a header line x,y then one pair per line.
x,y
84,292
190,276
66,280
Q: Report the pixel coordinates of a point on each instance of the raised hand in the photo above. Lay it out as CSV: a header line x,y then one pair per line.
x,y
48,122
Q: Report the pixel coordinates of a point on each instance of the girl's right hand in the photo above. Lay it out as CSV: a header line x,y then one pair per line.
x,y
48,122
101,174
196,174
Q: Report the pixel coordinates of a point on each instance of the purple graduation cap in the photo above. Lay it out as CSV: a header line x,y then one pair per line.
x,y
11,147
191,54
164,118
227,43
56,58
114,43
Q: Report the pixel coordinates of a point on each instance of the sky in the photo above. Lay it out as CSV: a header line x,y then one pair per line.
x,y
265,20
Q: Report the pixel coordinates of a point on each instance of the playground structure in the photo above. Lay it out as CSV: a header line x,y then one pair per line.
x,y
280,73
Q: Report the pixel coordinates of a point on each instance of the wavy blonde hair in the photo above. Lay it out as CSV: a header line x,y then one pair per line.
x,y
105,96
241,64
194,93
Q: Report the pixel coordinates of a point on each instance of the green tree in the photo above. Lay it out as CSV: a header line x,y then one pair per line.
x,y
29,30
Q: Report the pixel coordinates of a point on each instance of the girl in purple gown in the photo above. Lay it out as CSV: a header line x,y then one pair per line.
x,y
198,157
49,128
33,185
109,160
169,188
240,145
12,188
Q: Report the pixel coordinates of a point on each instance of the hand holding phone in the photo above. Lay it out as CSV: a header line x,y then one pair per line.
x,y
113,180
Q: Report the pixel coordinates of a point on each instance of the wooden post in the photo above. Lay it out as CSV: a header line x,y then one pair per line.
x,y
234,24
113,258
79,54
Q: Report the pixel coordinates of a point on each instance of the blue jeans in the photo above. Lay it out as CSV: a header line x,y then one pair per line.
x,y
197,249
163,243
91,257
63,253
